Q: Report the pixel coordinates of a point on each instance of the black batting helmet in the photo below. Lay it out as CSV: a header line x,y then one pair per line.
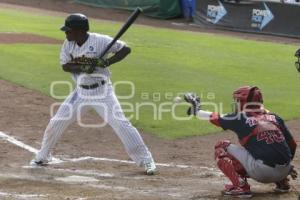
x,y
76,21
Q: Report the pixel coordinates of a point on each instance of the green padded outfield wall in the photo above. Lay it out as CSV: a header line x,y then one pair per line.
x,y
163,9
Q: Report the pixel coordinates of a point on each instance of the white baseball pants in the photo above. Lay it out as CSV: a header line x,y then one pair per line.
x,y
104,101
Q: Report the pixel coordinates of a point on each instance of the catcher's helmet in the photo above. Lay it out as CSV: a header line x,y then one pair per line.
x,y
76,21
247,95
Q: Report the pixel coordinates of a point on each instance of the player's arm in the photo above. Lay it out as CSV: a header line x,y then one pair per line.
x,y
116,53
213,117
217,119
288,136
88,65
227,121
81,64
72,67
119,55
291,144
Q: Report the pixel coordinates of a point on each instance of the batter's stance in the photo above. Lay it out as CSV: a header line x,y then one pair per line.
x,y
80,56
267,150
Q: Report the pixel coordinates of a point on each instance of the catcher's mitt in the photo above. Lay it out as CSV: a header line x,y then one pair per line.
x,y
195,101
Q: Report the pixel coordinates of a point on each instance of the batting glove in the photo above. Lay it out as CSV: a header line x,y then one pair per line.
x,y
99,62
87,68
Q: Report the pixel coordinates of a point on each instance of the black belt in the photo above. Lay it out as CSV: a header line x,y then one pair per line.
x,y
269,164
273,165
93,86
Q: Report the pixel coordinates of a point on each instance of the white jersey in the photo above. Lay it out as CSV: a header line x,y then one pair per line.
x,y
92,48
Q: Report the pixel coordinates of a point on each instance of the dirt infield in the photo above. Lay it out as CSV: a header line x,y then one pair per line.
x,y
94,164
11,38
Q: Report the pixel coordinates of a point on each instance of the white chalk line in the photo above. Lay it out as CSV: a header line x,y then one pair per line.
x,y
54,160
84,177
22,145
32,196
73,180
22,196
80,172
17,143
68,180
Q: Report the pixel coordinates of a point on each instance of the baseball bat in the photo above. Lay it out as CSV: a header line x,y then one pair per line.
x,y
124,28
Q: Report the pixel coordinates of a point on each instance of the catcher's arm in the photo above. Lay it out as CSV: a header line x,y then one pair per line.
x,y
195,108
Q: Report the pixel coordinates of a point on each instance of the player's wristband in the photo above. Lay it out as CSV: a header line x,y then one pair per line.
x,y
204,115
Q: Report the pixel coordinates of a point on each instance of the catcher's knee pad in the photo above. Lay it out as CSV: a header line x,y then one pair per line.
x,y
222,144
239,168
221,148
226,166
221,155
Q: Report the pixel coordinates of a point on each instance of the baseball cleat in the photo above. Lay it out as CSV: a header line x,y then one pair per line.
x,y
150,168
281,190
282,186
239,192
38,163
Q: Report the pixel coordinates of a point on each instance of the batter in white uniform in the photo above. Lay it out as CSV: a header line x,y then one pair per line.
x,y
93,90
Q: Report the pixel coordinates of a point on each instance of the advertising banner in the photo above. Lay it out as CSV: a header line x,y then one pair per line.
x,y
260,17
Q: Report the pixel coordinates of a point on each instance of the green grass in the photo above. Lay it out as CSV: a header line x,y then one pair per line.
x,y
162,62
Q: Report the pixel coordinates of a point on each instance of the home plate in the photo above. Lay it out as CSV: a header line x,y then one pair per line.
x,y
77,179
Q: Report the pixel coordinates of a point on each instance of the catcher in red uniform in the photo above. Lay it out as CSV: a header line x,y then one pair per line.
x,y
266,148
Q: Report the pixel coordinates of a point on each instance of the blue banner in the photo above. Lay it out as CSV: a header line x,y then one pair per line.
x,y
259,17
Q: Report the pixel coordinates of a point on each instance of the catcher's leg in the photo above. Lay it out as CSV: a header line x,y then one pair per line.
x,y
65,115
283,185
255,168
233,169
